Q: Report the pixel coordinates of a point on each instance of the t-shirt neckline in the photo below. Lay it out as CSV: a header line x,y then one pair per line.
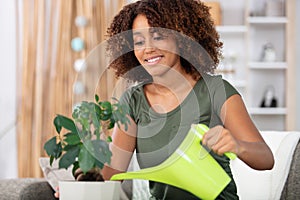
x,y
186,99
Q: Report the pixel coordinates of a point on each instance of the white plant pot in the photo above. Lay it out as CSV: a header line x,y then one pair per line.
x,y
83,190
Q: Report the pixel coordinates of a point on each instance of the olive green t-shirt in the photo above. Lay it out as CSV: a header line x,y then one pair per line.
x,y
160,134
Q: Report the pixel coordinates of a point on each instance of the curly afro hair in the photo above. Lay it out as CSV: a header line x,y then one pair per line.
x,y
189,18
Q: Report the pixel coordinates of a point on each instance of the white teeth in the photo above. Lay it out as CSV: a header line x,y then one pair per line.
x,y
153,60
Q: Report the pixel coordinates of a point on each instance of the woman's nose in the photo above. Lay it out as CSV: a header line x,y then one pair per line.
x,y
149,47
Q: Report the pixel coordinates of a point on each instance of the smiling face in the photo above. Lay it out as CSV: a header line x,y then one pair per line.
x,y
156,51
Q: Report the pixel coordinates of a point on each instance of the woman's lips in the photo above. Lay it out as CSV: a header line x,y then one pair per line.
x,y
153,60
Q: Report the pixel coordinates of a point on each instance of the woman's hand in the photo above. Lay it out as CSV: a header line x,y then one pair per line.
x,y
56,194
220,140
240,136
92,175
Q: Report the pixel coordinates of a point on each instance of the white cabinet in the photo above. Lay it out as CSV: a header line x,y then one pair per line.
x,y
258,57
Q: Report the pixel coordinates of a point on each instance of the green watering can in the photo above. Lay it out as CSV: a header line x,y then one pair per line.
x,y
203,176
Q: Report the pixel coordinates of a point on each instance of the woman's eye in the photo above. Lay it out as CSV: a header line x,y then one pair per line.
x,y
157,36
139,43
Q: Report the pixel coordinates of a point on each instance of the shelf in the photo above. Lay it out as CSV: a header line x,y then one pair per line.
x,y
267,20
245,32
267,111
239,83
267,65
231,29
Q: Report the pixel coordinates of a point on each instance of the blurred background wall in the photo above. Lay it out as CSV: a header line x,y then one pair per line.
x,y
8,158
298,64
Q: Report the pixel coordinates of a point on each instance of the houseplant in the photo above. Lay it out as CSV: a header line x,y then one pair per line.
x,y
82,141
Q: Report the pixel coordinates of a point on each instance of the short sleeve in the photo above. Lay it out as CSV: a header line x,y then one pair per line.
x,y
126,99
219,90
230,90
223,92
133,97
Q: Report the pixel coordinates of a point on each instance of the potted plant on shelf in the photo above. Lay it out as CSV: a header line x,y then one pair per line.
x,y
84,145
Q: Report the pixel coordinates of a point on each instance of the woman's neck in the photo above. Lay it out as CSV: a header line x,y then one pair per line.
x,y
174,83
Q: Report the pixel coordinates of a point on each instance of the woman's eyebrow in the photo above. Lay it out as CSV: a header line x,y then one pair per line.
x,y
141,31
137,33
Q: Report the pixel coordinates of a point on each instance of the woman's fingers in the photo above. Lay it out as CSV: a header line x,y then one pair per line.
x,y
77,173
56,194
220,140
212,136
92,175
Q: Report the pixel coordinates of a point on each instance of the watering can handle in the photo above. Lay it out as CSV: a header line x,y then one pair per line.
x,y
202,129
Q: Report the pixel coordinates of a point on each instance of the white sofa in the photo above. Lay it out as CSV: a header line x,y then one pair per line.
x,y
283,181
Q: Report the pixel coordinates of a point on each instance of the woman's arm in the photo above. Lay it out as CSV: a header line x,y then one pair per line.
x,y
122,147
240,136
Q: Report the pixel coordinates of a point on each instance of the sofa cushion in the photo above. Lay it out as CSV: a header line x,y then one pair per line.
x,y
268,184
26,189
291,188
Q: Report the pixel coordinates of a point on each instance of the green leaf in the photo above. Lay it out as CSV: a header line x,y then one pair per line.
x,y
68,147
75,114
86,159
95,120
51,160
84,135
72,138
52,148
57,124
106,110
75,167
98,112
109,139
67,123
99,164
97,98
69,157
111,123
101,151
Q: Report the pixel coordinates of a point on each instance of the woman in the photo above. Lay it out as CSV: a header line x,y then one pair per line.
x,y
174,81
170,48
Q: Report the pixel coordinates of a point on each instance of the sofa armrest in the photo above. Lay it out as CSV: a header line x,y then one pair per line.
x,y
291,188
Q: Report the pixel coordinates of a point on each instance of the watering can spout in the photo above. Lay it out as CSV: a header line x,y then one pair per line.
x,y
190,168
